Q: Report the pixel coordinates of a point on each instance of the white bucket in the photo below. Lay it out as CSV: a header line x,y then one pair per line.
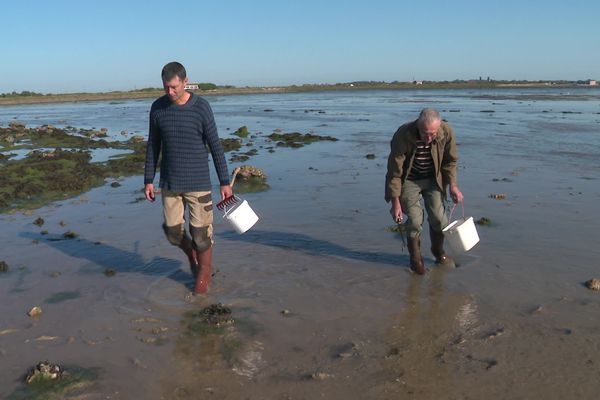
x,y
241,217
461,235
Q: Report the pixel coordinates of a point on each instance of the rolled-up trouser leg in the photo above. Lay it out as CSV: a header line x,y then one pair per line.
x,y
201,237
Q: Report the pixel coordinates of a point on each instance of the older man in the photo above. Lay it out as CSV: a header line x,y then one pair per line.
x,y
421,164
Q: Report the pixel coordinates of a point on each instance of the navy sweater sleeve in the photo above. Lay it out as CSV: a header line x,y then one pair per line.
x,y
214,143
152,149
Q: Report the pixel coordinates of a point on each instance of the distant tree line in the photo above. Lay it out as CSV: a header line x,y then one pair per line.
x,y
24,93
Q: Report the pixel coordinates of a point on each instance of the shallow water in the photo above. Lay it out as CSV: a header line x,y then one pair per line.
x,y
514,321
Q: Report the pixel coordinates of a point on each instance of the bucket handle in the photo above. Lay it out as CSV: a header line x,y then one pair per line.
x,y
454,207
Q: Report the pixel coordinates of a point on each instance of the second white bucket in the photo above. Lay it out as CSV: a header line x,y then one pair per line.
x,y
461,235
241,217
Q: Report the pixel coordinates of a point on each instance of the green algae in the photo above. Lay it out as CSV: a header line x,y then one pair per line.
x,y
63,172
296,139
73,380
242,132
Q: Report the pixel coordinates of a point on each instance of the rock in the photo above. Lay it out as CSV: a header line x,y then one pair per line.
x,y
320,376
69,235
483,221
3,266
593,284
35,311
216,314
247,172
43,371
110,272
370,156
39,221
242,132
285,312
115,184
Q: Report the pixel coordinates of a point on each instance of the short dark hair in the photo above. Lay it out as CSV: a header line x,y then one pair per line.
x,y
172,70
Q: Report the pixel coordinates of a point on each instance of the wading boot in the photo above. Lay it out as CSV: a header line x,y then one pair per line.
x,y
204,271
190,252
416,260
437,248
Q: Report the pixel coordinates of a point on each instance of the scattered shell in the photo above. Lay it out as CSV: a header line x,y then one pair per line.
x,y
593,284
320,376
498,196
35,311
45,338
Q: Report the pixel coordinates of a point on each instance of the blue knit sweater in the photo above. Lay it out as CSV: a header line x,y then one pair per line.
x,y
184,134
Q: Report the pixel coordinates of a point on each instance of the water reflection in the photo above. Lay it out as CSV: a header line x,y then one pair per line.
x,y
426,337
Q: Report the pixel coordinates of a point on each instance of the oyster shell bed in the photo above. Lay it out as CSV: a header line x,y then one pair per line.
x,y
44,371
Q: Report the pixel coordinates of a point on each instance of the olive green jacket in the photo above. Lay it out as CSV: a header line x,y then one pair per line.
x,y
402,154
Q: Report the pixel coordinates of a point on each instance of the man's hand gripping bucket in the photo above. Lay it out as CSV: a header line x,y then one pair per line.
x,y
461,234
236,211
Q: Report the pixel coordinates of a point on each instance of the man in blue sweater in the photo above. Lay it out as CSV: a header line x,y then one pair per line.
x,y
183,130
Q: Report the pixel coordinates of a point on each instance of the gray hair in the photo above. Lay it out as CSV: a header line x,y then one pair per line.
x,y
429,115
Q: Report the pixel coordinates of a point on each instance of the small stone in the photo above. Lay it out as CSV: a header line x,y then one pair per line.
x,y
370,156
69,235
3,266
39,221
483,221
285,312
115,184
110,272
321,376
55,274
35,311
498,196
43,371
593,284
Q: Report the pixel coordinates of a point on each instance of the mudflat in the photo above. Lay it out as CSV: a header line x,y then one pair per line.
x,y
321,301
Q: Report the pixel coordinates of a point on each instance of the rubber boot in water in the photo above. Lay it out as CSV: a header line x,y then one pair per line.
x,y
204,271
437,248
416,260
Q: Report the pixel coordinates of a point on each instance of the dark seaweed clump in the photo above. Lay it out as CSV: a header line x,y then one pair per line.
x,y
296,139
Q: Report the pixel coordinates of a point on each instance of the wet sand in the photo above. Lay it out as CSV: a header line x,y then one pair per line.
x,y
513,321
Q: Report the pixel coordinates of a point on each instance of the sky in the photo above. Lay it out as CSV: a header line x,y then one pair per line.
x,y
64,46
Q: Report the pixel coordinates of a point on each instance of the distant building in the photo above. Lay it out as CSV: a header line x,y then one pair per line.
x,y
191,86
592,82
417,82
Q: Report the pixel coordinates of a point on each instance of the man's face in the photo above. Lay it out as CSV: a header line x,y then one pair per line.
x,y
428,130
175,88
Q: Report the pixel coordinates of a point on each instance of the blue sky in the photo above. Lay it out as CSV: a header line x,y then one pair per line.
x,y
73,46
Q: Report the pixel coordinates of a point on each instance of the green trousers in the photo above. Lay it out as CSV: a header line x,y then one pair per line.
x,y
410,199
